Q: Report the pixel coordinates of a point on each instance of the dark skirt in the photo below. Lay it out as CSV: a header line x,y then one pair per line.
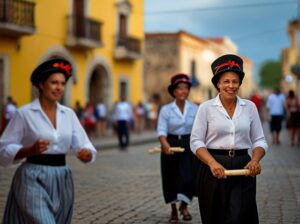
x,y
276,123
227,201
40,194
179,172
294,120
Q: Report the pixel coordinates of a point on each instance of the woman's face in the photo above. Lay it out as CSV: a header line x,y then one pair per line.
x,y
229,84
54,87
182,91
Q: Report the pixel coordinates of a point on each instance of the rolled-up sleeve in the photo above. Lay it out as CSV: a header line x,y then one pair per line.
x,y
10,141
198,133
80,139
162,125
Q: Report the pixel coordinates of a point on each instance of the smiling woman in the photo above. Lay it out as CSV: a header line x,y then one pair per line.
x,y
178,170
227,134
38,137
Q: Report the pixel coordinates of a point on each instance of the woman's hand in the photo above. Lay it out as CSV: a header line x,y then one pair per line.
x,y
165,146
254,167
166,149
39,147
84,155
217,169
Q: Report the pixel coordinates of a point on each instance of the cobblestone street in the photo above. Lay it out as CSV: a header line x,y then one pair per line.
x,y
124,187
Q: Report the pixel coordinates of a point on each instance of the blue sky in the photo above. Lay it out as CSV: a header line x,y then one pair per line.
x,y
257,27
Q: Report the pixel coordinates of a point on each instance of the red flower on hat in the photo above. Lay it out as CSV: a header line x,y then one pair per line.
x,y
66,67
229,63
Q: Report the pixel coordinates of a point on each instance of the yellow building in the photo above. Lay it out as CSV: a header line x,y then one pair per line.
x,y
289,58
102,39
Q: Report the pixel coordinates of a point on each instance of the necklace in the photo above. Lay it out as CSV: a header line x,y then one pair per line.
x,y
230,108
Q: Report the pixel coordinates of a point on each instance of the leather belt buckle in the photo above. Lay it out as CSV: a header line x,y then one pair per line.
x,y
231,153
179,137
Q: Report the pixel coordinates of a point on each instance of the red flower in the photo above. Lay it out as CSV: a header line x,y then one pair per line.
x,y
66,67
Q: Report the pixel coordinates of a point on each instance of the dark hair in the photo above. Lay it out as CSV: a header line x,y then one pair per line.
x,y
291,94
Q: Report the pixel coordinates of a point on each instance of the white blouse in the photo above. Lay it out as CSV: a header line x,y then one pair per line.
x,y
172,121
213,128
30,123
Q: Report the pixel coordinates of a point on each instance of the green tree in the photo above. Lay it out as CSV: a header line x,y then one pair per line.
x,y
270,74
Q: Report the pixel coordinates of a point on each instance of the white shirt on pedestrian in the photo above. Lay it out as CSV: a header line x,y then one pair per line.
x,y
213,128
10,110
275,104
101,110
172,121
30,124
123,111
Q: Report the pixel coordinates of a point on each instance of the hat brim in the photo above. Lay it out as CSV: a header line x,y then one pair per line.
x,y
217,76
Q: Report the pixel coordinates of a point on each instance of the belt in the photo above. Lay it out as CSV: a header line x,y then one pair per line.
x,y
229,152
48,159
178,137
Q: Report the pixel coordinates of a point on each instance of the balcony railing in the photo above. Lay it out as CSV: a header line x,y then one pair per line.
x,y
128,48
83,33
16,17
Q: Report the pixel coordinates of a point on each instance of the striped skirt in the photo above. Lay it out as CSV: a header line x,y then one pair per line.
x,y
40,194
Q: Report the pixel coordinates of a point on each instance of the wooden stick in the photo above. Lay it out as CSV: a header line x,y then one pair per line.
x,y
237,172
172,149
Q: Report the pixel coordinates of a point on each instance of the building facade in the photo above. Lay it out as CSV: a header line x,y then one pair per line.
x,y
290,58
103,40
169,53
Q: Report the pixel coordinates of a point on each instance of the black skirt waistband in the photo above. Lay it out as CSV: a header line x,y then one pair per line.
x,y
48,159
178,137
229,152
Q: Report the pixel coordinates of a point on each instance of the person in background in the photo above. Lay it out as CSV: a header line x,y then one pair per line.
x,y
152,113
178,170
101,117
293,116
139,112
38,137
89,119
9,110
257,100
79,111
227,134
123,115
276,109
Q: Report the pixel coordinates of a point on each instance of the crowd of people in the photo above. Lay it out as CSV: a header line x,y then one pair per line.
x,y
99,120
280,111
221,134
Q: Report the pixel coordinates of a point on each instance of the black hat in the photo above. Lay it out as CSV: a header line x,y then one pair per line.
x,y
226,63
44,70
176,79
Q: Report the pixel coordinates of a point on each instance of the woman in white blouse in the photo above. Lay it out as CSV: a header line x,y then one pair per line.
x,y
178,170
227,134
39,136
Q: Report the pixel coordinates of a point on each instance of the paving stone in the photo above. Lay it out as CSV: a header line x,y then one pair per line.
x,y
125,187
